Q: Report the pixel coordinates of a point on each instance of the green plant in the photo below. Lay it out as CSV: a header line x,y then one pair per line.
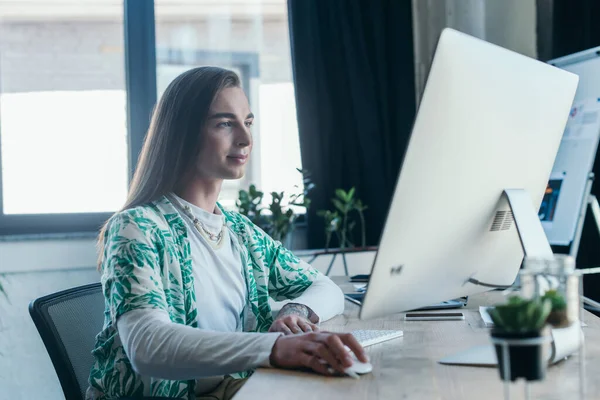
x,y
302,199
558,315
340,222
360,209
556,299
249,203
519,315
332,224
279,221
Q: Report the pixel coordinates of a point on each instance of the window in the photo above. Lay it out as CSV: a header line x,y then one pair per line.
x,y
78,82
279,132
62,108
251,38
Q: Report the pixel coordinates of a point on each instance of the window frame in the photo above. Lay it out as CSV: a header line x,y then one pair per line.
x,y
140,87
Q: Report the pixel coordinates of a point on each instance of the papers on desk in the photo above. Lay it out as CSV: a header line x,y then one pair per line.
x,y
478,356
360,287
485,316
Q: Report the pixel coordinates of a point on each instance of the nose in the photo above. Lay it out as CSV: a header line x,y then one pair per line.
x,y
244,138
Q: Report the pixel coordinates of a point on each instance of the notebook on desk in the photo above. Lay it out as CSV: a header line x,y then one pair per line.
x,y
361,282
461,302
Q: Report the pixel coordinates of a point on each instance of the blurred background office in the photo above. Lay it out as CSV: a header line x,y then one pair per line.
x,y
335,85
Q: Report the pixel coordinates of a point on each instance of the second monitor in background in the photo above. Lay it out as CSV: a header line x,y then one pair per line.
x,y
565,203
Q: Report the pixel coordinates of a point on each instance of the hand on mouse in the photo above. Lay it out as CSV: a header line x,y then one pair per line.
x,y
306,350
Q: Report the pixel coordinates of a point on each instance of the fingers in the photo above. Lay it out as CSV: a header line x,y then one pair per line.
x,y
284,328
317,365
279,326
349,340
292,324
336,344
307,326
322,351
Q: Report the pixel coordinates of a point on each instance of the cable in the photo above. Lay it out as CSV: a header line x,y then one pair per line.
x,y
479,283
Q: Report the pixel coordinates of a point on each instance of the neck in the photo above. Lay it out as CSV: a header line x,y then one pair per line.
x,y
202,193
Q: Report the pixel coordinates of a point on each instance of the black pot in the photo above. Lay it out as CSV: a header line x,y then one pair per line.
x,y
525,361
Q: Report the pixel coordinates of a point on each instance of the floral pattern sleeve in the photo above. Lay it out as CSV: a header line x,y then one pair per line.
x,y
131,267
288,277
145,264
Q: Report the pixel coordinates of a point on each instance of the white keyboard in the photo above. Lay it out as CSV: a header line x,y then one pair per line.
x,y
371,337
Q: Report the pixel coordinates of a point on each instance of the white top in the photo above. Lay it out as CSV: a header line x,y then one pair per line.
x,y
160,348
219,281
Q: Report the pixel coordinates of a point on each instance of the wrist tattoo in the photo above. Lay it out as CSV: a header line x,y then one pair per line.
x,y
295,309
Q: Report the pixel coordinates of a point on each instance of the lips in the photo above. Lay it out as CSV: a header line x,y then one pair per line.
x,y
241,157
238,159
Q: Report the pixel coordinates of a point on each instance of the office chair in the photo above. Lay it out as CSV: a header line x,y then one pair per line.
x,y
68,323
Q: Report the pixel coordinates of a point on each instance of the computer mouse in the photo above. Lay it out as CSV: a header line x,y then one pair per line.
x,y
358,368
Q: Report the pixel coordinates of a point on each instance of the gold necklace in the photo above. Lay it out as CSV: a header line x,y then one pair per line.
x,y
215,240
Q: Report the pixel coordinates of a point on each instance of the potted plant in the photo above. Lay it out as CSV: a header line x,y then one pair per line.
x,y
558,317
279,218
340,221
249,204
519,325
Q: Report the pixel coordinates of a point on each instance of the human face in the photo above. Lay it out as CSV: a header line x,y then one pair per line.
x,y
226,140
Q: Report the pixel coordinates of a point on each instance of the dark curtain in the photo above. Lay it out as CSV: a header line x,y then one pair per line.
x,y
570,26
355,99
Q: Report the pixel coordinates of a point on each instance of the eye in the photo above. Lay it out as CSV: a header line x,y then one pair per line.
x,y
249,123
225,124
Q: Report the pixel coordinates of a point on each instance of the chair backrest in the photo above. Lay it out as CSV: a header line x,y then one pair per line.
x,y
68,323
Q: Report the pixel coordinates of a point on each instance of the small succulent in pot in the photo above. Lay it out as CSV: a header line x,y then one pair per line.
x,y
558,316
521,315
519,324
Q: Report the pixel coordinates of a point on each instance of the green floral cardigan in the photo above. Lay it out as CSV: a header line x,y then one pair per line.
x,y
147,264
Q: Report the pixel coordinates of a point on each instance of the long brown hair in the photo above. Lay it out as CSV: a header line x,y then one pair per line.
x,y
173,139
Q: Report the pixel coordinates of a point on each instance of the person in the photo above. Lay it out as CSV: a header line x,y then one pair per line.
x,y
187,283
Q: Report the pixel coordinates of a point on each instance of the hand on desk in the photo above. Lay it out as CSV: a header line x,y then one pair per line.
x,y
295,318
306,351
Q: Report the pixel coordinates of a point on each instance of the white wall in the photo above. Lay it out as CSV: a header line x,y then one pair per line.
x,y
33,269
45,255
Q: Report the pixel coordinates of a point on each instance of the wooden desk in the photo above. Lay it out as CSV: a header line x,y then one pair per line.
x,y
408,368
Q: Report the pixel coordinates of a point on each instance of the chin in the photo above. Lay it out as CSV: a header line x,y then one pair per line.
x,y
233,175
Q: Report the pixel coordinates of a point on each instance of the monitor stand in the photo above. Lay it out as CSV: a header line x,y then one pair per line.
x,y
529,227
533,238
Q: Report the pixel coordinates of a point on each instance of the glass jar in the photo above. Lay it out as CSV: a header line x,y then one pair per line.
x,y
556,279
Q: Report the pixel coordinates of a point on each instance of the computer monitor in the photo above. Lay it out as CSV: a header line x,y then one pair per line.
x,y
488,129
